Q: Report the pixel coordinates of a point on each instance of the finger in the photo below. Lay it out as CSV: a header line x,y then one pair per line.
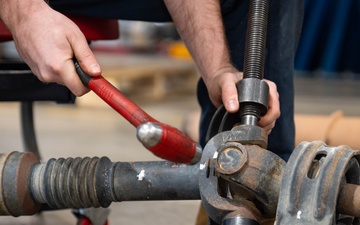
x,y
272,115
269,127
273,112
85,56
71,79
230,95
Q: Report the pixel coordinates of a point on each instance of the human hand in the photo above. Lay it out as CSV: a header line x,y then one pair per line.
x,y
268,120
48,41
222,90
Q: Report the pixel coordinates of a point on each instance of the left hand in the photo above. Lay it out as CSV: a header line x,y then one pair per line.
x,y
222,90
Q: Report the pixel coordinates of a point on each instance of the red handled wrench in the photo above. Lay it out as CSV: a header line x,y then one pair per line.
x,y
161,139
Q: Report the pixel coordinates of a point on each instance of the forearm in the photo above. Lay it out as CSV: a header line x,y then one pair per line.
x,y
48,41
199,24
14,12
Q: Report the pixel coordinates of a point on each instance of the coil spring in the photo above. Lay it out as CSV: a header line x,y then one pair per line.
x,y
74,183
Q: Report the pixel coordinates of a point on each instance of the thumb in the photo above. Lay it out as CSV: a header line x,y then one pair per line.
x,y
230,93
85,57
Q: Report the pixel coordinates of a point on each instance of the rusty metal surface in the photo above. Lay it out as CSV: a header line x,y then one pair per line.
x,y
349,200
236,178
236,183
156,181
246,134
262,172
15,175
312,181
3,208
231,158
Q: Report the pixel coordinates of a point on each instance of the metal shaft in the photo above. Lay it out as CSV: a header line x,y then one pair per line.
x,y
252,107
95,182
256,39
25,183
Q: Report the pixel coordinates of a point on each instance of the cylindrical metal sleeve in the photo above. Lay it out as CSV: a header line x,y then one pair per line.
x,y
128,109
254,91
156,181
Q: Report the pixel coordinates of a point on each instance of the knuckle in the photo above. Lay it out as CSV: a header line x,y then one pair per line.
x,y
45,77
77,91
86,54
278,114
53,66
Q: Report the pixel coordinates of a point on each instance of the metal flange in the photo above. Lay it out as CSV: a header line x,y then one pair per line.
x,y
15,196
313,181
236,179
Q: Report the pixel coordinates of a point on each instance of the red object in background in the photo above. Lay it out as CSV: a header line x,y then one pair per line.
x,y
97,28
5,34
86,221
92,28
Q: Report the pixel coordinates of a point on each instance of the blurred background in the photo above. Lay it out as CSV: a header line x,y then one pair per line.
x,y
150,65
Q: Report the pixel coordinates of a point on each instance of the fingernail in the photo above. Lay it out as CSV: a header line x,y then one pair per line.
x,y
95,68
232,105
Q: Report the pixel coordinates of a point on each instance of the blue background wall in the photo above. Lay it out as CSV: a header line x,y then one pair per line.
x,y
330,40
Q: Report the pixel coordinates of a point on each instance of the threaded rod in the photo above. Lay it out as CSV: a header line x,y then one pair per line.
x,y
254,61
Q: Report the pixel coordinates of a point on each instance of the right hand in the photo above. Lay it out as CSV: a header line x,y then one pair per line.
x,y
48,41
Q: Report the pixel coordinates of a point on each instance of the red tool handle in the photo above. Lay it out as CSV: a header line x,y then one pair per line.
x,y
112,96
173,145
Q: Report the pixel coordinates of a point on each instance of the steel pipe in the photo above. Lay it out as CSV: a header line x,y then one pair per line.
x,y
161,180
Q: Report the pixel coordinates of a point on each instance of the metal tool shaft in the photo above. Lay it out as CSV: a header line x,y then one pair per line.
x,y
253,96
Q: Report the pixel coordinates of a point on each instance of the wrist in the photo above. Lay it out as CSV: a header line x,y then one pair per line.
x,y
224,68
13,13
